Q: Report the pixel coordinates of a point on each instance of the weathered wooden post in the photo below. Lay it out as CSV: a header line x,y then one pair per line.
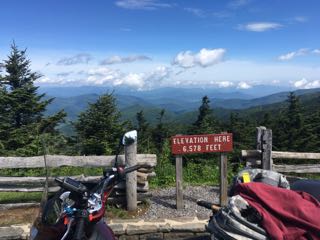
x,y
223,178
131,178
259,137
253,161
179,181
267,149
264,144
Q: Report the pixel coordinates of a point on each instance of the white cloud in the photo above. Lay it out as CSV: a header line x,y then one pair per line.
x,y
196,11
244,85
301,19
117,59
222,84
316,51
152,76
102,75
142,4
64,74
275,81
260,26
131,79
185,59
156,77
291,55
44,80
205,58
77,59
108,76
287,56
305,84
238,3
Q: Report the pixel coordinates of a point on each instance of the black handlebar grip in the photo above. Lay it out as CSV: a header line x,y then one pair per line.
x,y
208,205
131,169
58,180
136,167
205,204
78,234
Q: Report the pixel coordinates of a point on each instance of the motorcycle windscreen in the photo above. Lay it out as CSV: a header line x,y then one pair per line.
x,y
48,224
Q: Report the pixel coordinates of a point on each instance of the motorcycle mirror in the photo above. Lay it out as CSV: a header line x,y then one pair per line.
x,y
129,137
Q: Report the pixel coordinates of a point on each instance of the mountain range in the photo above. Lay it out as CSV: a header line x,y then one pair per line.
x,y
180,104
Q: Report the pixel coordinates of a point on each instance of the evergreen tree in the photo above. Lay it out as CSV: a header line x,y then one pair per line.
x,y
267,120
242,130
144,136
205,123
21,107
143,125
290,132
161,132
99,128
312,127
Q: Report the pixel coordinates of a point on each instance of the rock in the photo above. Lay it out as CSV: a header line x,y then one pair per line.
x,y
151,236
190,227
117,228
177,235
140,229
10,233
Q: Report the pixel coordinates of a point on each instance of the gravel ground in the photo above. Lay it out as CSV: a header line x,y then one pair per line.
x,y
163,202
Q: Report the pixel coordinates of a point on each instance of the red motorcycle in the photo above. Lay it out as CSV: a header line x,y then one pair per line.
x,y
76,211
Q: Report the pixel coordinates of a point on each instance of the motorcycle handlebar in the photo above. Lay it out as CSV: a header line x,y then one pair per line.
x,y
76,186
133,168
122,172
208,205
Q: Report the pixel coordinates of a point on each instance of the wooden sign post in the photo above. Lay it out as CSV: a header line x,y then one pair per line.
x,y
188,144
179,180
223,179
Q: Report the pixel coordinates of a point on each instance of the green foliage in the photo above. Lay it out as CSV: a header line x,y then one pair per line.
x,y
61,171
205,123
21,108
243,131
116,212
165,170
12,197
290,131
202,173
160,133
145,143
99,128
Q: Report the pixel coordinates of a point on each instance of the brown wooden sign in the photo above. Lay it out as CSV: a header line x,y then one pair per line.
x,y
187,144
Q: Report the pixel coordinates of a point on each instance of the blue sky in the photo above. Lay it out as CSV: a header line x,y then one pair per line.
x,y
149,43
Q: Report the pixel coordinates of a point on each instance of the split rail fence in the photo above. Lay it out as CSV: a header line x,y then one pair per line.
x,y
265,157
139,184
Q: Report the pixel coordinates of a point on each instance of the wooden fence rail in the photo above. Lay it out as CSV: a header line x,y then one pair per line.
x,y
35,184
264,157
75,161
